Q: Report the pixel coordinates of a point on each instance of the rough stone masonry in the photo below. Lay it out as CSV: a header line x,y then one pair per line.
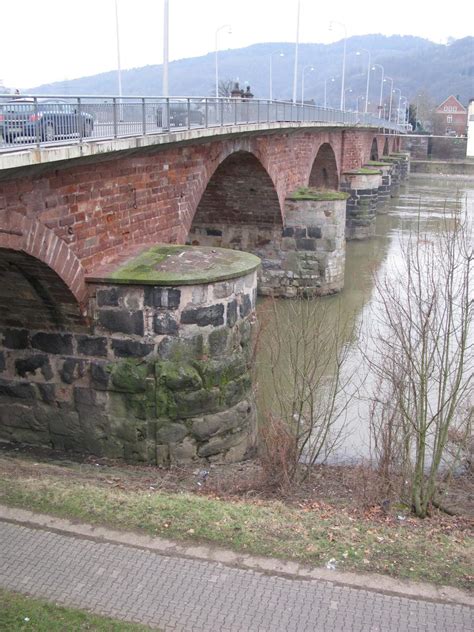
x,y
162,374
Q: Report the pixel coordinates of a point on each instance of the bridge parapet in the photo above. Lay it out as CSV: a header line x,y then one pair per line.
x,y
54,123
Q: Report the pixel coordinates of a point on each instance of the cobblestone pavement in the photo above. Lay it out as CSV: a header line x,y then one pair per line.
x,y
178,594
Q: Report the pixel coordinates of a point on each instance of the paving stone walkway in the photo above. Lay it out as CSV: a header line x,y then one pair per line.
x,y
187,595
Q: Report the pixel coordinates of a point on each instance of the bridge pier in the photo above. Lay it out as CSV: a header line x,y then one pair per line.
x,y
305,257
161,374
362,186
383,192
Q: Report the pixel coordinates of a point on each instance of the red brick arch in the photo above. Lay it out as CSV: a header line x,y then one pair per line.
x,y
324,171
26,235
239,190
375,149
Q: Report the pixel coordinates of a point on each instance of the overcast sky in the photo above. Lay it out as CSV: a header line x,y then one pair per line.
x,y
53,40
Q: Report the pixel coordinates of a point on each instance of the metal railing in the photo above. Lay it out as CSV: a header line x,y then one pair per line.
x,y
37,121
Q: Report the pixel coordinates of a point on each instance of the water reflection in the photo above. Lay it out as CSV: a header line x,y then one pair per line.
x,y
424,201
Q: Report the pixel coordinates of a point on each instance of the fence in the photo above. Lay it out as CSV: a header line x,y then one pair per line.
x,y
42,121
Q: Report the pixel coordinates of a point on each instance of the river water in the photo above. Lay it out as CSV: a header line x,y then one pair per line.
x,y
427,200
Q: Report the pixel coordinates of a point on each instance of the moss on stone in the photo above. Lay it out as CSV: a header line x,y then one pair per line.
x,y
375,163
362,172
165,403
130,375
182,265
318,195
178,376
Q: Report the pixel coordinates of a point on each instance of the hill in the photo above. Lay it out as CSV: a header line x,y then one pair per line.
x,y
416,65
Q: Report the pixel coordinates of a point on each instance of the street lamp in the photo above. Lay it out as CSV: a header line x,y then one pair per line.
x,y
166,23
295,70
399,97
391,95
325,89
331,23
344,97
406,115
361,96
311,68
117,35
271,72
364,50
224,26
381,87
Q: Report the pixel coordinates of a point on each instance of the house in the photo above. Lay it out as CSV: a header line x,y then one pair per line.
x,y
450,118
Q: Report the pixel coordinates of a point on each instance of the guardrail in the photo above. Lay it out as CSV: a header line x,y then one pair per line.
x,y
37,121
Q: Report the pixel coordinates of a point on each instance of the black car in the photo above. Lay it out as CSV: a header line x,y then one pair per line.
x,y
48,120
179,114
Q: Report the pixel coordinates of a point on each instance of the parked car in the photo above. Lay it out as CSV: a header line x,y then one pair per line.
x,y
179,114
48,120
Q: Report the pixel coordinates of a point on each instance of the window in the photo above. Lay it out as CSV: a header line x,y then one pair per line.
x,y
449,119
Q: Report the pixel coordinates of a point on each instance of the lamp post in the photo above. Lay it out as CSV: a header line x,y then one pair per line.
x,y
166,23
361,96
399,97
224,26
391,95
325,89
381,87
343,58
417,120
271,72
117,35
344,97
311,68
364,50
295,70
406,115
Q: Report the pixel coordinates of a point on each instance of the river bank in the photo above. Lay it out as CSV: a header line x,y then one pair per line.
x,y
323,522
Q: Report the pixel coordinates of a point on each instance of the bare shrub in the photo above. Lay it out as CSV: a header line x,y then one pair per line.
x,y
304,400
423,359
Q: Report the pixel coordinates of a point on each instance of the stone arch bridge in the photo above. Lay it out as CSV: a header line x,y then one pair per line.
x,y
131,365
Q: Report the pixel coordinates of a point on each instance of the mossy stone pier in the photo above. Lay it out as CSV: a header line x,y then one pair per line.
x,y
162,373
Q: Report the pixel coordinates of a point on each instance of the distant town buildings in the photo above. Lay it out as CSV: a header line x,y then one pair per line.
x,y
450,118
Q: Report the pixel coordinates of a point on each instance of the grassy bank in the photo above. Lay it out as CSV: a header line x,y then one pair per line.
x,y
18,613
309,532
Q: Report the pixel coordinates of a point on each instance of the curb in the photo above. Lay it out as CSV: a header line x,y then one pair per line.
x,y
269,566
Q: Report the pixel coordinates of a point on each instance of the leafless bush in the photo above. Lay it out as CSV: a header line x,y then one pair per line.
x,y
423,359
304,400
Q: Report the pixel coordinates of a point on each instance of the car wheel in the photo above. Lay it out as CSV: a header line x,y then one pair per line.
x,y
49,132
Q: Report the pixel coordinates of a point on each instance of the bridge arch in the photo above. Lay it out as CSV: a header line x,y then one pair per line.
x,y
374,150
43,283
386,147
240,191
324,171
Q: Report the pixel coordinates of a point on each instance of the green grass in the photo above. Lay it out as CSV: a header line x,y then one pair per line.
x,y
309,535
34,615
363,172
161,265
318,195
376,163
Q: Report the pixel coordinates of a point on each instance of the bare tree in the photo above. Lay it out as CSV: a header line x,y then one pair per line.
x,y
224,87
305,355
423,358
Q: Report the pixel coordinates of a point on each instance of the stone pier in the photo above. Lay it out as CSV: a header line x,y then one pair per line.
x,y
395,163
362,185
383,192
304,257
160,372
